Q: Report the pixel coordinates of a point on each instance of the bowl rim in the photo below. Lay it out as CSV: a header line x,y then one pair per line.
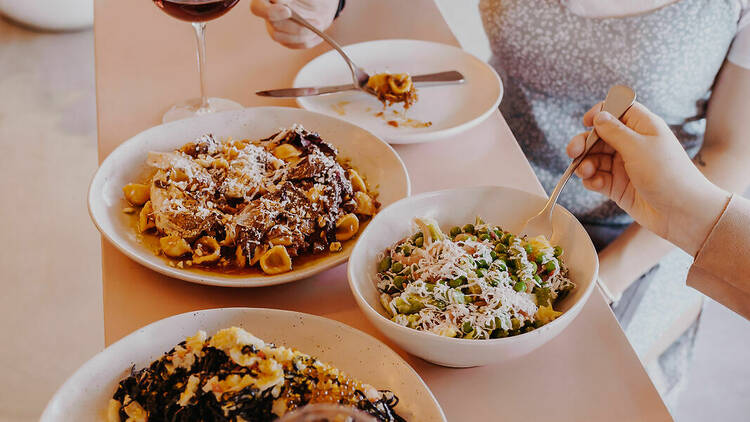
x,y
379,320
121,244
428,136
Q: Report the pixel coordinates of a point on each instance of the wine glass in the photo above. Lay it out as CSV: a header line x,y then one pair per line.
x,y
198,12
322,412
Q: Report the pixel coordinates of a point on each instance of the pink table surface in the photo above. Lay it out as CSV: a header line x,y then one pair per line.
x,y
145,62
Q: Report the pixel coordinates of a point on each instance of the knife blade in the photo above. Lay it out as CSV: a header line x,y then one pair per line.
x,y
430,79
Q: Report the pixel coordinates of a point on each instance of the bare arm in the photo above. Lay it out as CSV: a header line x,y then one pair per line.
x,y
724,159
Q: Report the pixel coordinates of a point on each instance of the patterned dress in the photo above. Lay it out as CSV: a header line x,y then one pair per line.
x,y
555,65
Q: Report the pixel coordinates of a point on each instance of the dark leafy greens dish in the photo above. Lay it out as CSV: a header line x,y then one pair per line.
x,y
235,376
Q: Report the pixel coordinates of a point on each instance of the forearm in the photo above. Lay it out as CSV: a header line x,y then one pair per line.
x,y
629,256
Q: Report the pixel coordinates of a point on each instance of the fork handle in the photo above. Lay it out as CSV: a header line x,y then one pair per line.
x,y
618,101
302,21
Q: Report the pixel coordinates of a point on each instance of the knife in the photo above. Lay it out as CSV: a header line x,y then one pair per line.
x,y
431,79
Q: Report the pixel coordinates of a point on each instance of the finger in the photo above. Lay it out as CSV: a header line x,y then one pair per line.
x,y
601,182
594,163
615,133
260,8
576,145
644,121
588,117
287,26
295,40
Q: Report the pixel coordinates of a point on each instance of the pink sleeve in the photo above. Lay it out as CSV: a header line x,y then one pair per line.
x,y
721,268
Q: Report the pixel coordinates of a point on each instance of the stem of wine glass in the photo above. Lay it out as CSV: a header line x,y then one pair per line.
x,y
200,36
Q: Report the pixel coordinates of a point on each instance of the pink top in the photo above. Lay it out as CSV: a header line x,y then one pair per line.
x,y
722,265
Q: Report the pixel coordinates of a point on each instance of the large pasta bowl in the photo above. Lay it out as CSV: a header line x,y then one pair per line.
x,y
371,156
501,206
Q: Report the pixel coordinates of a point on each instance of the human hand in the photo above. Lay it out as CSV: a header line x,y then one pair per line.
x,y
643,168
319,13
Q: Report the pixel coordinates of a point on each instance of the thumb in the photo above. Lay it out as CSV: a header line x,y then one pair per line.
x,y
615,133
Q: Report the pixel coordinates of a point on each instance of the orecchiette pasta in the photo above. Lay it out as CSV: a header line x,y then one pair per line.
x,y
276,260
356,180
235,204
174,246
347,227
365,204
136,193
206,249
146,217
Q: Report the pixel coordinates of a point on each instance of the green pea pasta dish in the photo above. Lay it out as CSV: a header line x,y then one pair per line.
x,y
475,282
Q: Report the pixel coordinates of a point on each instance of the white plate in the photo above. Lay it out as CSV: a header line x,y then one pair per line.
x,y
372,157
84,396
450,108
505,207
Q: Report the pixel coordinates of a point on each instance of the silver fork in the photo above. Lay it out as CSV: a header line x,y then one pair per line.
x,y
618,101
359,75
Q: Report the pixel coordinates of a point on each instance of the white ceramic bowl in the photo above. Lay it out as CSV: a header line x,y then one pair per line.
x,y
84,396
451,108
371,156
502,206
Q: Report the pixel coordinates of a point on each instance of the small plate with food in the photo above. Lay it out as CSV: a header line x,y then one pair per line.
x,y
245,198
400,111
242,364
441,275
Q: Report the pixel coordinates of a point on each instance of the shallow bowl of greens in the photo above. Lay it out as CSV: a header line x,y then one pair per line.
x,y
499,206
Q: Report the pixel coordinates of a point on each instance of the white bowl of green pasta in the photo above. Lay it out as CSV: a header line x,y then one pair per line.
x,y
442,275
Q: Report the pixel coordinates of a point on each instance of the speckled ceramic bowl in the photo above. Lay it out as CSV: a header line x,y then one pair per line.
x,y
502,206
85,395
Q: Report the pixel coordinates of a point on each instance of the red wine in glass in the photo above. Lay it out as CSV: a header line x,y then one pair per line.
x,y
198,12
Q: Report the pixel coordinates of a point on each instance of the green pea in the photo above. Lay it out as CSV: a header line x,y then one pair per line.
x,y
398,281
558,251
396,267
484,236
429,286
500,248
466,327
455,231
406,271
406,250
515,323
480,272
416,236
384,264
482,264
419,242
514,278
469,228
508,239
457,281
528,248
498,233
550,266
493,283
539,259
519,286
493,255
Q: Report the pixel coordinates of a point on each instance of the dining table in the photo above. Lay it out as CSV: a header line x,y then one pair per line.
x,y
145,61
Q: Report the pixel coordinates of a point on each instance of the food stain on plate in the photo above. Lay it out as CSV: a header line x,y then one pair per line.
x,y
399,119
340,107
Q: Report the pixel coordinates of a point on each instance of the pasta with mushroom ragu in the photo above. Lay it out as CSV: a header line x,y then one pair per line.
x,y
231,205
